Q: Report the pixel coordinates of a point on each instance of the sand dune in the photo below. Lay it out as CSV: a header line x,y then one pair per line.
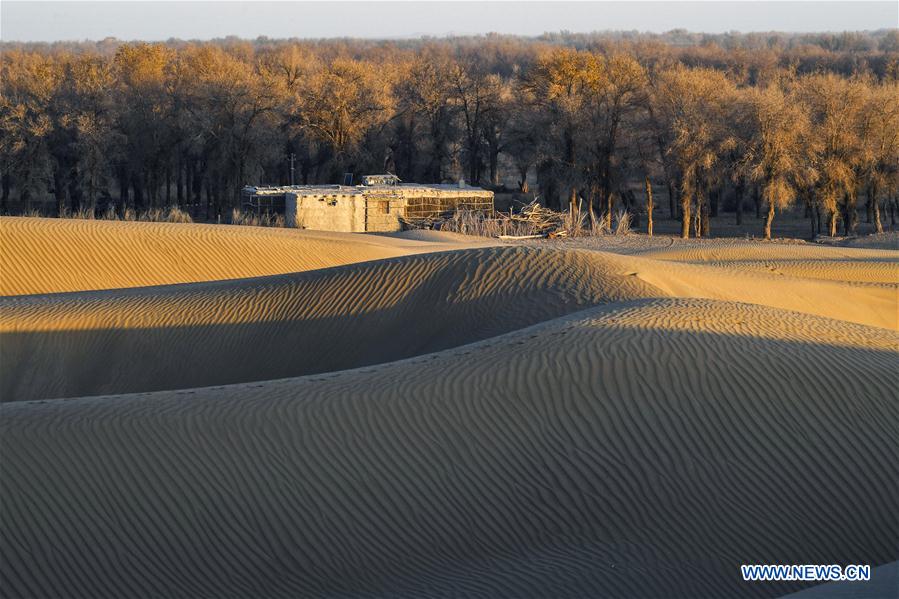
x,y
333,319
860,271
794,260
869,303
417,415
256,329
47,255
716,250
643,448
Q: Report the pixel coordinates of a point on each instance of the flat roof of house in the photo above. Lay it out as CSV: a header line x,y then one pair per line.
x,y
362,189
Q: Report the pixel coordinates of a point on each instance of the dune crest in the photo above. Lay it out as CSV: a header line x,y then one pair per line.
x,y
50,255
213,333
256,329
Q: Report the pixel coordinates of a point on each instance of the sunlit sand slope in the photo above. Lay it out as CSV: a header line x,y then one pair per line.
x,y
332,319
46,255
716,250
644,448
790,259
869,303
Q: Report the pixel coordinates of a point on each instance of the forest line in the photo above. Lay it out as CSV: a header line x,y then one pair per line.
x,y
594,121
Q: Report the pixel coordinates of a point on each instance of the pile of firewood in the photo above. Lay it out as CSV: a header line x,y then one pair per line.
x,y
532,221
538,221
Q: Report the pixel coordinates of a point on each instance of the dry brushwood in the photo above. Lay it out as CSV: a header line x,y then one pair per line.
x,y
532,221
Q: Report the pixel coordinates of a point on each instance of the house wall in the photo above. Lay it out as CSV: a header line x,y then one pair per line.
x,y
377,210
327,212
383,212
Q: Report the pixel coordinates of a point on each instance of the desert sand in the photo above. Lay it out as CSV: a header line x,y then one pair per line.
x,y
262,413
48,255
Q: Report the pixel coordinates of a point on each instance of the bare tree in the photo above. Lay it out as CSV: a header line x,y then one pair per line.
x,y
833,105
774,156
691,103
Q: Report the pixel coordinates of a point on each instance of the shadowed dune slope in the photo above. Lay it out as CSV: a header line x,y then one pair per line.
x,y
204,334
256,329
884,584
46,255
643,448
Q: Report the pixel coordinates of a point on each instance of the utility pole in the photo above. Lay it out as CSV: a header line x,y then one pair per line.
x,y
292,157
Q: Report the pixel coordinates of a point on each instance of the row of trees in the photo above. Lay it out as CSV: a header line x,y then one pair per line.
x,y
592,123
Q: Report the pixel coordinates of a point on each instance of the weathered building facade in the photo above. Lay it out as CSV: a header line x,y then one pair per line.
x,y
381,203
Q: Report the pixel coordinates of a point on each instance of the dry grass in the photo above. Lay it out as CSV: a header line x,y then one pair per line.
x,y
623,223
81,214
172,214
256,220
468,222
531,220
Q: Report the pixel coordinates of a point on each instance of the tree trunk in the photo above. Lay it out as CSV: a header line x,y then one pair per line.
x,y
813,218
738,198
672,205
716,195
523,182
198,179
812,212
685,215
209,212
850,215
218,197
4,201
572,201
59,191
704,220
26,201
697,216
137,186
474,160
179,180
832,223
494,168
769,220
610,205
874,206
184,185
878,226
649,206
869,208
697,220
75,195
756,196
123,192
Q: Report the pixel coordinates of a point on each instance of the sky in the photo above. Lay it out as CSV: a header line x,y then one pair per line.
x,y
76,20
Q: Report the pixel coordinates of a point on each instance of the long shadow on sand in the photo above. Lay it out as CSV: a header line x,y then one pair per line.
x,y
573,460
